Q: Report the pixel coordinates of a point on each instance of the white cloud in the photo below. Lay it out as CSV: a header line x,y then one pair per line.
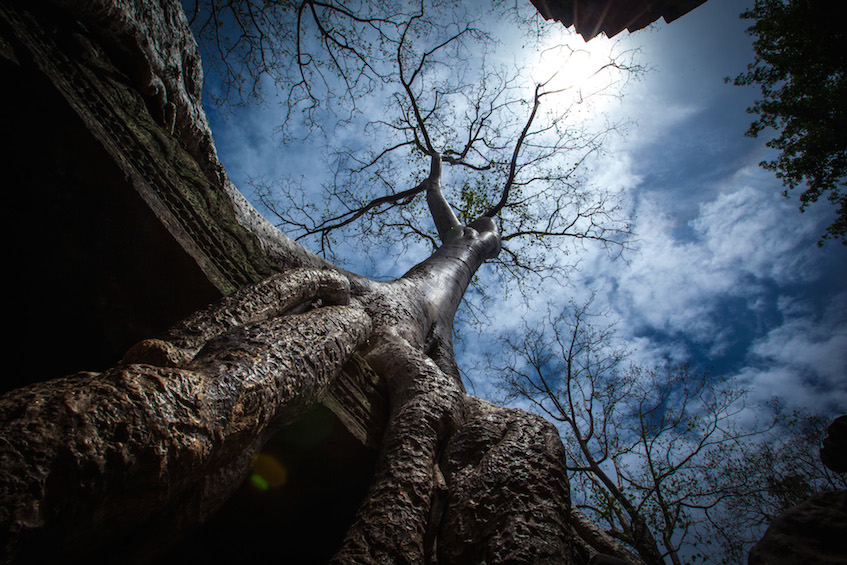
x,y
804,360
756,231
667,285
744,238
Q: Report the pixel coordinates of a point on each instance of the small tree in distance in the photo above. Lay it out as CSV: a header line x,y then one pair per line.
x,y
772,474
641,443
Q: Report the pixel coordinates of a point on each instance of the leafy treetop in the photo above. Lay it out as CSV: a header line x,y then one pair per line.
x,y
800,67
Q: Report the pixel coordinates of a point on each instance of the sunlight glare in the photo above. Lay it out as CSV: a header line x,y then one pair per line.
x,y
577,69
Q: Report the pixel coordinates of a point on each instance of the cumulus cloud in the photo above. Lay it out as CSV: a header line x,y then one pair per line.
x,y
744,239
757,232
668,284
804,360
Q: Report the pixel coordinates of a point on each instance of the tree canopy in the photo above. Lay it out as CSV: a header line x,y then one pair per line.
x,y
505,105
400,92
799,66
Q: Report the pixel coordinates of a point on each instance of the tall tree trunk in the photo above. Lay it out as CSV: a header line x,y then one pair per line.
x,y
168,435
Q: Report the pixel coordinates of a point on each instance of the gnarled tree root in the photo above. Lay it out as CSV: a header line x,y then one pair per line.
x,y
97,457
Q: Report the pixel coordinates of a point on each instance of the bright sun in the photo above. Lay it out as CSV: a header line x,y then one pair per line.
x,y
579,69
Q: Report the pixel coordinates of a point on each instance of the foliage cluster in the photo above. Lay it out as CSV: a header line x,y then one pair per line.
x,y
801,70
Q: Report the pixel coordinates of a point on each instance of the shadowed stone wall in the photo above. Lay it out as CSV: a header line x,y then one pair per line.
x,y
117,233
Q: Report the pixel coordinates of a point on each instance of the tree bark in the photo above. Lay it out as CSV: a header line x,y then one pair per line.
x,y
169,434
161,441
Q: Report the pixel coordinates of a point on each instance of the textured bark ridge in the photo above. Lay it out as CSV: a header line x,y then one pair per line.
x,y
167,437
114,466
507,490
393,523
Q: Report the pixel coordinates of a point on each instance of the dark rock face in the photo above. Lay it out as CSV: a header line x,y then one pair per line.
x,y
300,517
814,532
834,449
117,230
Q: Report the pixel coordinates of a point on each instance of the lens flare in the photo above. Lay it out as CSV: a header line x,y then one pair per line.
x,y
268,472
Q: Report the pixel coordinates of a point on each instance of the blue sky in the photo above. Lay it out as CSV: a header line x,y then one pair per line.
x,y
728,273
725,272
